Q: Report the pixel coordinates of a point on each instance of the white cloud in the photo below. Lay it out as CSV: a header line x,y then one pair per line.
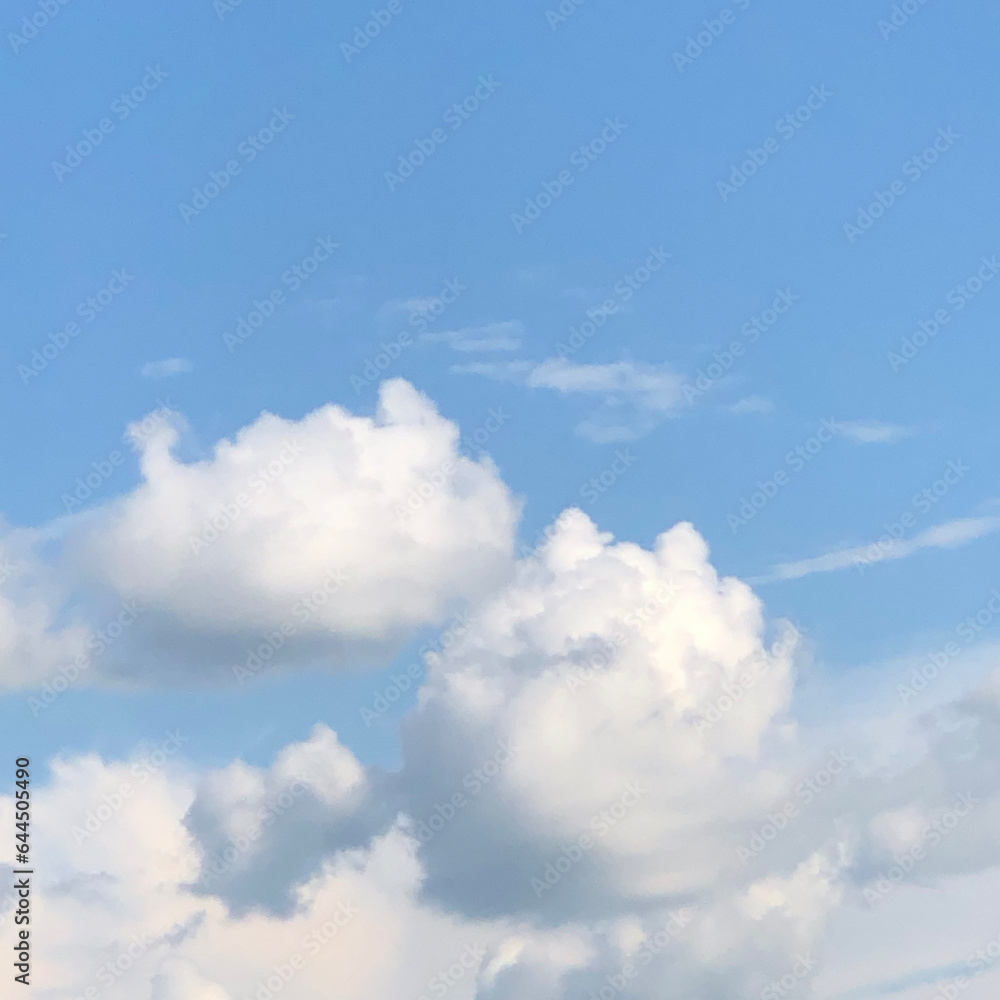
x,y
601,666
330,538
636,397
752,404
505,336
166,368
949,535
873,431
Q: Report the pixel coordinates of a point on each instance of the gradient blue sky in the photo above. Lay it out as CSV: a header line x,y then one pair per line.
x,y
656,185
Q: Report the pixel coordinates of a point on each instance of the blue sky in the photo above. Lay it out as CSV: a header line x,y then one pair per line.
x,y
640,146
655,186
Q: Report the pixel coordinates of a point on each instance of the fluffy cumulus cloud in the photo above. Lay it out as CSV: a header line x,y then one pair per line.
x,y
307,536
605,787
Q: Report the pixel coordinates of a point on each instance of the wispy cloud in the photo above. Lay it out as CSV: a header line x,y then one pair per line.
x,y
165,368
751,404
506,336
949,535
873,431
635,396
